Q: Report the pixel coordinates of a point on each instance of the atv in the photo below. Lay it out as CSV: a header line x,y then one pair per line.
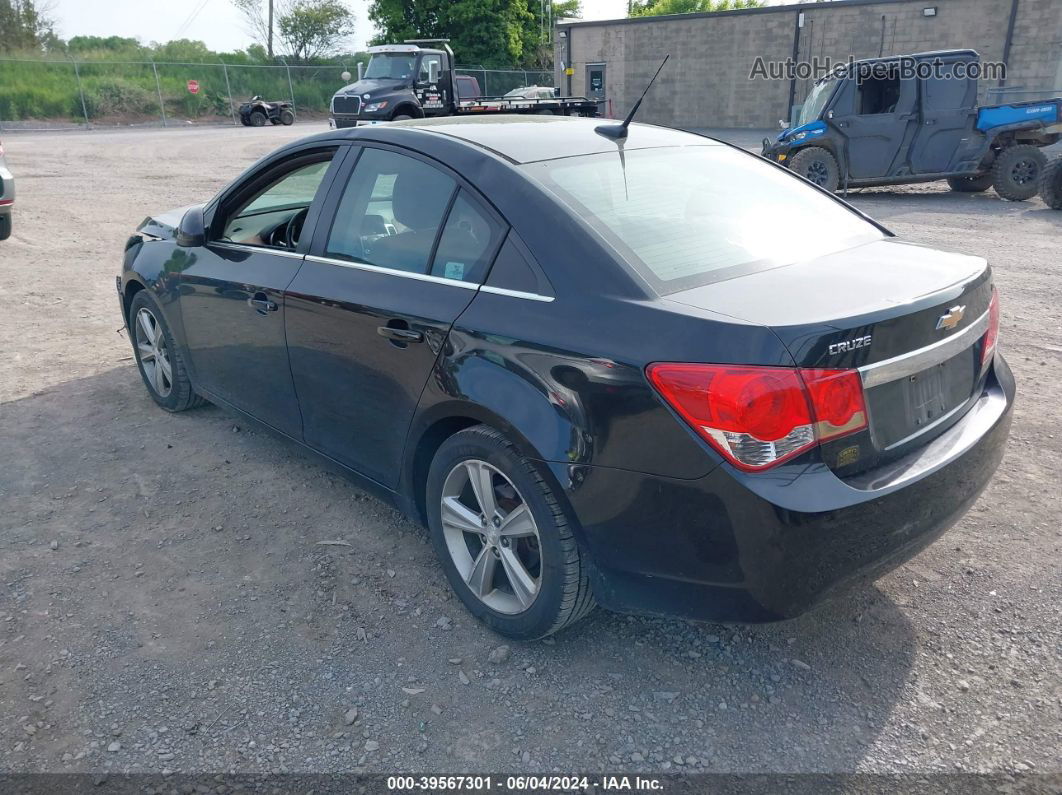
x,y
257,112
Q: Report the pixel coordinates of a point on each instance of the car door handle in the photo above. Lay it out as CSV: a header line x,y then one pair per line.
x,y
261,304
397,334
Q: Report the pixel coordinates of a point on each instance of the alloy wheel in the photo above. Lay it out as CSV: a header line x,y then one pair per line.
x,y
1024,171
818,173
491,536
154,355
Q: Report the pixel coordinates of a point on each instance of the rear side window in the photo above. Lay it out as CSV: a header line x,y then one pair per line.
x,y
685,216
514,270
468,240
391,212
945,92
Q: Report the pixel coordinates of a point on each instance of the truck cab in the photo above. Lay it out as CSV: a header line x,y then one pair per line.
x,y
401,81
915,118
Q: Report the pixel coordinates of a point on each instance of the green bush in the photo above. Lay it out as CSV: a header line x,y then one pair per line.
x,y
116,97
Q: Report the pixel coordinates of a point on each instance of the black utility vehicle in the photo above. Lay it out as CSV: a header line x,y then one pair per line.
x,y
408,81
915,118
256,112
582,362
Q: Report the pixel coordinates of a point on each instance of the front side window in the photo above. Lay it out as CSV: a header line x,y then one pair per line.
x,y
424,66
879,93
391,212
272,213
685,216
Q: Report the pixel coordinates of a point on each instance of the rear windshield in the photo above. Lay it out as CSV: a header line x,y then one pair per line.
x,y
686,216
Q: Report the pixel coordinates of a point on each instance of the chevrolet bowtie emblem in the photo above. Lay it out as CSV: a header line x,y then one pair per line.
x,y
951,318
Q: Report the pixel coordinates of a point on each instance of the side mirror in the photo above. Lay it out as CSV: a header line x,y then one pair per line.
x,y
782,124
191,232
433,71
829,114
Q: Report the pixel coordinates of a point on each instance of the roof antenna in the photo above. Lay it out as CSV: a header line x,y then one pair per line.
x,y
620,130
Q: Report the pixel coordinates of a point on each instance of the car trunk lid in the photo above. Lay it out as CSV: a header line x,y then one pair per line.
x,y
910,319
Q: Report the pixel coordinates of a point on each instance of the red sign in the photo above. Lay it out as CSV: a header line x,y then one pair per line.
x,y
193,86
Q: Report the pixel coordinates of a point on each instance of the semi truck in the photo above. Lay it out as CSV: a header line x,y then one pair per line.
x,y
413,80
915,118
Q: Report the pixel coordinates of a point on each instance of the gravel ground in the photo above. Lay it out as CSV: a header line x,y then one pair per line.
x,y
166,603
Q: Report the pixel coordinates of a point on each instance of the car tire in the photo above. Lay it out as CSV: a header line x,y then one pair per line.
x,y
1016,172
401,117
974,184
174,391
818,166
245,121
258,119
5,226
539,537
287,118
1051,184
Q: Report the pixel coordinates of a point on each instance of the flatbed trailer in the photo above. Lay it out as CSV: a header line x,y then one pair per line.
x,y
559,106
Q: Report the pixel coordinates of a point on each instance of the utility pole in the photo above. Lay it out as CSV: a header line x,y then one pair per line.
x,y
269,43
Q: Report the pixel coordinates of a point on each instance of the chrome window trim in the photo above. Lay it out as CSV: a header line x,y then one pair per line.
x,y
486,288
907,364
254,249
423,277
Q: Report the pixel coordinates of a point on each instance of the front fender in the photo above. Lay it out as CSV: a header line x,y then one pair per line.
x,y
154,265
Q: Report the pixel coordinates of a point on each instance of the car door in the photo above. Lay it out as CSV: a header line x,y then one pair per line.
x,y
875,113
432,95
948,109
232,288
371,308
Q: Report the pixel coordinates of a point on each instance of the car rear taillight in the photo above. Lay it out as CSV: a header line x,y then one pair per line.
x,y
758,417
988,346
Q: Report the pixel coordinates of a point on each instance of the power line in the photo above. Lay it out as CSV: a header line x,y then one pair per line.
x,y
191,18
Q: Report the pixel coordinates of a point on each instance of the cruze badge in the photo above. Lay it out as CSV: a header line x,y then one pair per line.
x,y
951,318
850,345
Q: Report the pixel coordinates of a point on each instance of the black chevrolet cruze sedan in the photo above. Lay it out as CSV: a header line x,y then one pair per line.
x,y
658,374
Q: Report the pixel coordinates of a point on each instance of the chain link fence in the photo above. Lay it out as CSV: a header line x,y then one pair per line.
x,y
53,94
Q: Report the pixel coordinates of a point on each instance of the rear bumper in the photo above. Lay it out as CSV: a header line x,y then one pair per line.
x,y
734,547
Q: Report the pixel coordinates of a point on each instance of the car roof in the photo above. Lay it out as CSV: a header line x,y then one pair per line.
x,y
923,56
527,139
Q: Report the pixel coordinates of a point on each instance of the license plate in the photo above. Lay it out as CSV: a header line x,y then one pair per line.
x,y
900,410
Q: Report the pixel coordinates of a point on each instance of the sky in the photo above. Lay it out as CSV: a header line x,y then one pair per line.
x,y
217,23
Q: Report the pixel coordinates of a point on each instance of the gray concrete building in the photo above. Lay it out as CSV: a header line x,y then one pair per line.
x,y
706,83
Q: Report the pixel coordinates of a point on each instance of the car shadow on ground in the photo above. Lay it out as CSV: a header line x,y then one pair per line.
x,y
167,571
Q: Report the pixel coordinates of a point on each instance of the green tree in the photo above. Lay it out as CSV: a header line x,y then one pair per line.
x,y
539,50
494,33
654,8
24,25
312,28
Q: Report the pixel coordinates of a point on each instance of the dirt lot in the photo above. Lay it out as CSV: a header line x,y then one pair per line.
x,y
164,603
